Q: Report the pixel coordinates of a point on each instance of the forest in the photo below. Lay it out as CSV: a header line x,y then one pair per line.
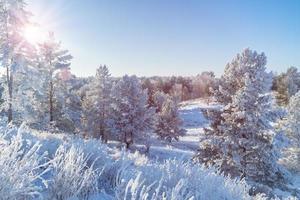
x,y
234,136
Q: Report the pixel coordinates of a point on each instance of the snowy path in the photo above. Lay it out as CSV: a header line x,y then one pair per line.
x,y
194,121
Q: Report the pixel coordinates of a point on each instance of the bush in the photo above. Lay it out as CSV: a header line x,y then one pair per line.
x,y
87,169
21,169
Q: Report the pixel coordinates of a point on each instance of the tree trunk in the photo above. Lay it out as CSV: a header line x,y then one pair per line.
x,y
10,94
125,140
51,102
128,140
182,92
101,132
102,127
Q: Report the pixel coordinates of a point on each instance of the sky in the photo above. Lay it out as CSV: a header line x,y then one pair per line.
x,y
171,37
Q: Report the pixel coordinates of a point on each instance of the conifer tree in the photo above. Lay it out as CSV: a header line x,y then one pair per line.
x,y
97,105
291,127
14,49
133,119
286,85
239,140
53,60
168,125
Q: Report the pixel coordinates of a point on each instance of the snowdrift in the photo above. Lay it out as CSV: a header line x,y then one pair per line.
x,y
40,165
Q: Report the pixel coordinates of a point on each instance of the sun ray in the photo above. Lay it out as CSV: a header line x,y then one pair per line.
x,y
34,34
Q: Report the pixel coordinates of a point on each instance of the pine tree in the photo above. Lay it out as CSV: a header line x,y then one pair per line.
x,y
53,60
133,119
97,104
14,50
28,97
291,128
239,140
169,122
148,85
67,105
186,87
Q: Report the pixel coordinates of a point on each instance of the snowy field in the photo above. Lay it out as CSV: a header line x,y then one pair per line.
x,y
37,165
191,112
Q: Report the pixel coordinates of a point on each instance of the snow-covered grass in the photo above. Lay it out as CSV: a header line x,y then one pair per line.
x,y
38,165
21,169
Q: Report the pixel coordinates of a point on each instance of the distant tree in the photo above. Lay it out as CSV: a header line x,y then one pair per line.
x,y
239,140
158,99
286,85
169,123
203,84
166,84
133,119
67,107
280,87
150,87
186,87
88,109
97,104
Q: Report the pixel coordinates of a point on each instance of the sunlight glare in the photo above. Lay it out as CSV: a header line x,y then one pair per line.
x,y
34,34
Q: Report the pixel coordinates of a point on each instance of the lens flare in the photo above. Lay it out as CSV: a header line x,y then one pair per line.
x,y
34,34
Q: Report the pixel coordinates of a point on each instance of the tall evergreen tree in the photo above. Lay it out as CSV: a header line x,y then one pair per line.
x,y
133,119
168,125
239,140
53,60
97,104
291,127
14,50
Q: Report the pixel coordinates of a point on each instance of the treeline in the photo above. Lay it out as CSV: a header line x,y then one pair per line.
x,y
38,88
183,88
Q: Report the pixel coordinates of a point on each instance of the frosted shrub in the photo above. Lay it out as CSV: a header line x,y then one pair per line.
x,y
87,169
72,176
21,169
178,180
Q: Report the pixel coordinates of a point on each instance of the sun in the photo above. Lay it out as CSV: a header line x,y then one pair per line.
x,y
34,34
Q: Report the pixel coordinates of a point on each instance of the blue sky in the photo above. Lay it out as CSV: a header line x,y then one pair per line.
x,y
171,37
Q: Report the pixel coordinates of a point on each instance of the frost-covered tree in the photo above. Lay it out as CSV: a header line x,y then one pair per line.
x,y
286,85
158,100
67,105
133,119
291,127
169,123
97,105
28,97
202,84
186,87
240,138
14,50
147,84
53,59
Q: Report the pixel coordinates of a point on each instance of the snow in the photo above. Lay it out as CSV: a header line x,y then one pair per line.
x,y
72,168
69,167
191,112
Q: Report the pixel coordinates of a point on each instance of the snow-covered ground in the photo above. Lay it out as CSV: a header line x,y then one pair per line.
x,y
191,112
40,165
